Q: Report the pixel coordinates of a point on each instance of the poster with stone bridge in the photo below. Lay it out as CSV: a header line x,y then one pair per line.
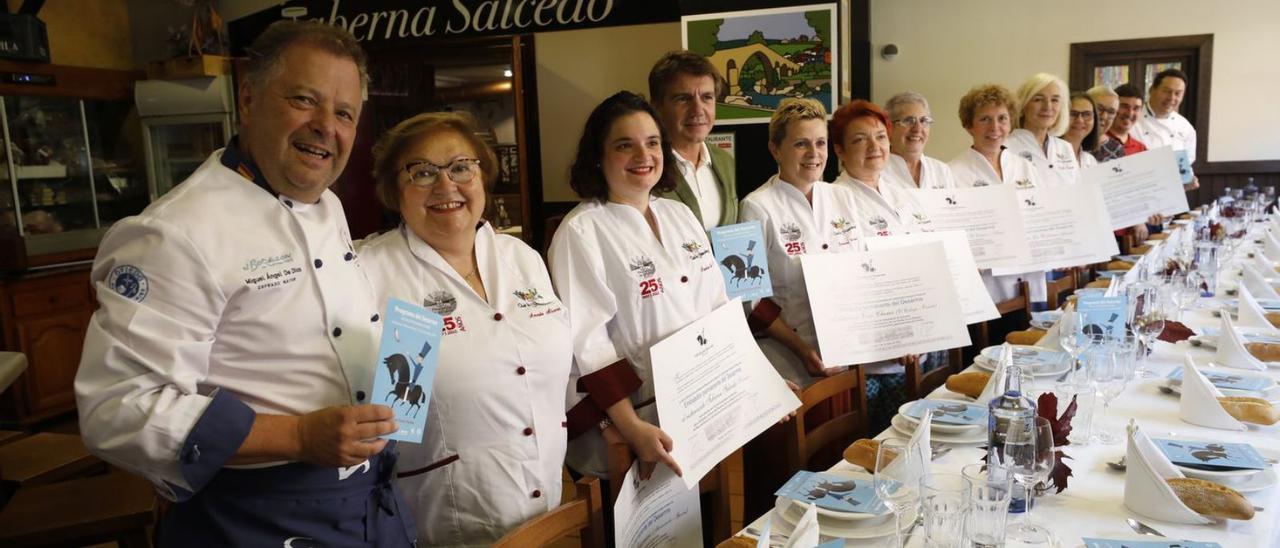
x,y
768,55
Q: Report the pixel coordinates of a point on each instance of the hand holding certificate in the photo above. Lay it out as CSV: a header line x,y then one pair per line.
x,y
715,390
883,304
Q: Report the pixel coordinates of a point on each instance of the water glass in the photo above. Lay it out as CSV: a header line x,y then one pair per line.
x,y
944,503
898,474
988,497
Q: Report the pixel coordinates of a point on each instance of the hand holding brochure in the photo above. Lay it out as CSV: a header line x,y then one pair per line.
x,y
406,368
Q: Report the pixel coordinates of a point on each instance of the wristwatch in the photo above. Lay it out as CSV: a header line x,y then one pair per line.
x,y
604,424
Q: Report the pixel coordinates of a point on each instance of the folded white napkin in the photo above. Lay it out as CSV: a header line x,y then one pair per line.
x,y
1257,284
1199,403
1145,489
1052,339
1231,349
1251,314
919,442
1270,245
806,531
993,386
1264,265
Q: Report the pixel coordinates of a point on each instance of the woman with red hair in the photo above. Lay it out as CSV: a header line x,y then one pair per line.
x,y
860,131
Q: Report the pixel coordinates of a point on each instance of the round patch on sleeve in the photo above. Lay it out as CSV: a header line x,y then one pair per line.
x,y
129,282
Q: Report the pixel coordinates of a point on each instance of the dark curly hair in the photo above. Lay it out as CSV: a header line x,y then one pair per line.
x,y
586,177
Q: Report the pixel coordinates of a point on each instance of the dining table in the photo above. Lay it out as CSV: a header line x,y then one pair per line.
x,y
1093,505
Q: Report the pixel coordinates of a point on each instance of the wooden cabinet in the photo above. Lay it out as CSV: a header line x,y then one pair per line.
x,y
44,315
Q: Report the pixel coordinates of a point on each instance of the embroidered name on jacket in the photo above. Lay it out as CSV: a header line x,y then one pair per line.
x,y
273,271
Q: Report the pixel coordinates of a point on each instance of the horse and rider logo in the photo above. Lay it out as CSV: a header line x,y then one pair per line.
x,y
951,198
405,388
741,267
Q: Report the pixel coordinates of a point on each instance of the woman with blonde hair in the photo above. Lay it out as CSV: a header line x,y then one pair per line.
x,y
1043,102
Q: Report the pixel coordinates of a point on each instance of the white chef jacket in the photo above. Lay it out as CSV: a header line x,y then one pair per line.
x,y
498,397
1173,131
217,301
1086,161
792,228
1057,166
702,181
890,210
971,169
933,173
625,291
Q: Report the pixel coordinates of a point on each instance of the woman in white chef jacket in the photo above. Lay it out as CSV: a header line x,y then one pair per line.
x,y
495,435
800,214
860,131
631,268
985,114
910,123
1082,129
1042,118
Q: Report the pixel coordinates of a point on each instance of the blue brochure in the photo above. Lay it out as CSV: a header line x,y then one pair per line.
x,y
1103,315
406,367
1212,455
949,412
1108,543
1270,305
1231,381
740,251
1184,166
833,492
1248,337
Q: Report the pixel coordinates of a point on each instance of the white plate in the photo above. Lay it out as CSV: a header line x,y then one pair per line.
x,y
906,427
987,365
791,512
987,360
835,514
935,426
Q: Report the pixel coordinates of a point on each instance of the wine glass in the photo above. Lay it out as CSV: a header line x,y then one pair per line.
x,y
899,471
1070,333
1112,369
1147,318
1029,457
1186,290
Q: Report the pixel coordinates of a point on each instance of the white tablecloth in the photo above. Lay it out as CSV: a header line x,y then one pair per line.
x,y
1093,504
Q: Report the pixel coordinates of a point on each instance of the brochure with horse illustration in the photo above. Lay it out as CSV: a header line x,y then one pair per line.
x,y
739,249
833,492
406,368
1212,455
950,412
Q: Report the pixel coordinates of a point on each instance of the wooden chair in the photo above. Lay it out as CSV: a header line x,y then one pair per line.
x,y
46,458
724,484
1018,305
113,507
7,436
1055,288
920,384
584,515
1101,283
818,446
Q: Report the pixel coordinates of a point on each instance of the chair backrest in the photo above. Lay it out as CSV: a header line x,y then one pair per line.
x,y
724,483
832,414
584,515
1020,304
920,384
1065,284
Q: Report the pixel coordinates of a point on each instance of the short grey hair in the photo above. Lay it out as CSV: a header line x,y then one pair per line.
x,y
266,50
895,104
1100,91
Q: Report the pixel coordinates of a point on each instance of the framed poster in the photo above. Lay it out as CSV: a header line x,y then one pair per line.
x,y
768,55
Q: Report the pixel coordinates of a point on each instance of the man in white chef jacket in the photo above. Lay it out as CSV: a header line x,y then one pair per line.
x,y
232,357
1163,125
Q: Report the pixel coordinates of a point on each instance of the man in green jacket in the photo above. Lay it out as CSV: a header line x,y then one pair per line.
x,y
683,87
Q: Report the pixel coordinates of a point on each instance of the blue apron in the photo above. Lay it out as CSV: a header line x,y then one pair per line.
x,y
296,505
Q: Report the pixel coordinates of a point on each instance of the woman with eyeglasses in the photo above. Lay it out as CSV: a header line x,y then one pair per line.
x,y
908,134
1041,119
1082,131
495,435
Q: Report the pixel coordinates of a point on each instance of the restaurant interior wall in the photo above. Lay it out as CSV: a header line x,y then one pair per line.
x,y
87,34
946,47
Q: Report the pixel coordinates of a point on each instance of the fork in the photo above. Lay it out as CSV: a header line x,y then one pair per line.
x,y
1142,528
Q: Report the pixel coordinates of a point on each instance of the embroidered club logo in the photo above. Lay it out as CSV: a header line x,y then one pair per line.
x,y
1026,155
694,249
441,302
642,266
530,297
920,217
1064,158
790,232
1023,183
129,282
981,182
877,222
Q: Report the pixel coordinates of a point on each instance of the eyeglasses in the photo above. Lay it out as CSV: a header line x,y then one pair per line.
x,y
424,174
912,120
1082,114
1106,110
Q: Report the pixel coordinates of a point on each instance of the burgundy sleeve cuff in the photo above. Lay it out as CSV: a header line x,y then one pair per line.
x,y
583,417
763,315
610,384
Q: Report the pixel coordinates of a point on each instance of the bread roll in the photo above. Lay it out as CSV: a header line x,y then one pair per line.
x,y
1027,337
863,453
1247,409
1211,499
1274,318
1267,352
1158,236
970,383
1119,265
